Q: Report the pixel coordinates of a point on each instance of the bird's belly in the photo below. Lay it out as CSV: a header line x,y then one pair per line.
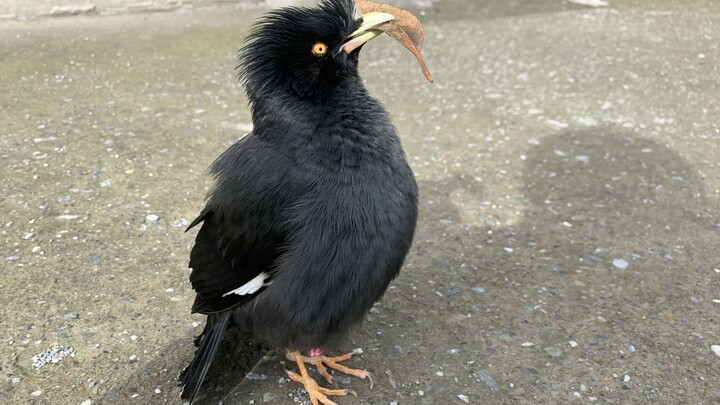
x,y
348,242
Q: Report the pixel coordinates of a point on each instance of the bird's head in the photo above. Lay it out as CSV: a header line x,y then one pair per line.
x,y
308,52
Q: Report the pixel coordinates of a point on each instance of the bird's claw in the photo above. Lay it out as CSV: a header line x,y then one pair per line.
x,y
369,377
322,362
319,394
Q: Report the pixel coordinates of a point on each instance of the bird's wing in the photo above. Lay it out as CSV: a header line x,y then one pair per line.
x,y
240,236
230,264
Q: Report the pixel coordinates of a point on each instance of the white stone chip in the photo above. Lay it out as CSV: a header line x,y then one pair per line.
x,y
590,3
621,264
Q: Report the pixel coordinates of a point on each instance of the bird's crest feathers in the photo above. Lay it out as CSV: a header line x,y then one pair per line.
x,y
278,54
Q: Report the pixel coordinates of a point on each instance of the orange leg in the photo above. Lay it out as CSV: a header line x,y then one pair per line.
x,y
321,362
318,395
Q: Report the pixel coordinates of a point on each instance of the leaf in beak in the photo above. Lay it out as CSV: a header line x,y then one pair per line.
x,y
405,28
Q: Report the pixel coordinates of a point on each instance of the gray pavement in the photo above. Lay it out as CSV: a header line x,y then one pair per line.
x,y
567,250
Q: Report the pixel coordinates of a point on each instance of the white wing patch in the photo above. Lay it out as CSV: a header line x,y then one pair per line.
x,y
250,287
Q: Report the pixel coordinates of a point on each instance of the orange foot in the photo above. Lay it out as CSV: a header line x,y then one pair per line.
x,y
320,394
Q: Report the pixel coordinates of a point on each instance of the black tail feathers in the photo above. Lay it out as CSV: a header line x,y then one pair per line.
x,y
192,377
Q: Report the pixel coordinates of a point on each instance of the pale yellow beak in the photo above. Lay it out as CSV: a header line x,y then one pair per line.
x,y
366,31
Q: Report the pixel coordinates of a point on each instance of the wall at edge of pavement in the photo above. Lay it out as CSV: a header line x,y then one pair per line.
x,y
23,10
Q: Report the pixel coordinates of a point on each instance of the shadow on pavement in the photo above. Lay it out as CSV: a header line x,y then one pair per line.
x,y
601,278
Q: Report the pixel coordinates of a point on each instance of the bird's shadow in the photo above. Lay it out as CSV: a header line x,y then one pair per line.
x,y
235,359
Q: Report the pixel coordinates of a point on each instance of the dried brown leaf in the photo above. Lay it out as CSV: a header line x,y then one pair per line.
x,y
405,28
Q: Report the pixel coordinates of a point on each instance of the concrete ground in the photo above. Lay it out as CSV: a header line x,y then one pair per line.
x,y
567,250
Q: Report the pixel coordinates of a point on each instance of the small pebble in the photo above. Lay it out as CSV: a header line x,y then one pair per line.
x,y
111,393
621,264
453,292
86,402
36,393
157,390
573,343
478,290
342,379
625,378
464,398
630,348
553,351
95,260
591,3
393,383
485,377
439,374
583,158
152,217
527,344
28,235
715,349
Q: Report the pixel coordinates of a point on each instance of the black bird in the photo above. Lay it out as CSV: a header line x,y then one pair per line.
x,y
313,212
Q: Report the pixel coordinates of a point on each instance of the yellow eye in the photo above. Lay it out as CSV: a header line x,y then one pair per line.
x,y
319,49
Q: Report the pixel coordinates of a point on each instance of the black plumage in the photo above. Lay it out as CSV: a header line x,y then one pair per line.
x,y
313,212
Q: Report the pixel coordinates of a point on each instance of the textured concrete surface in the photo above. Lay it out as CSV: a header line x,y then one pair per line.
x,y
567,250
